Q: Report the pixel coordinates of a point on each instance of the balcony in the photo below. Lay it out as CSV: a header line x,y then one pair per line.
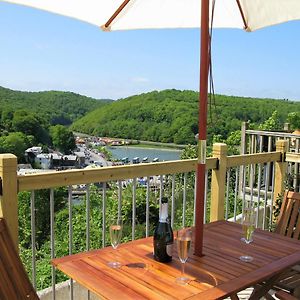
x,y
84,200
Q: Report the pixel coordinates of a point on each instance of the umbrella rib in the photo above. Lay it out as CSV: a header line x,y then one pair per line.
x,y
242,14
116,13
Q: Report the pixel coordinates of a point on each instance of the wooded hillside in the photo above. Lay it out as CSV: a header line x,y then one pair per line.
x,y
172,116
29,119
56,107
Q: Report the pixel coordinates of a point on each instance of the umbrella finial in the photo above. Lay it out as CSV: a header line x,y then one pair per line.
x,y
105,28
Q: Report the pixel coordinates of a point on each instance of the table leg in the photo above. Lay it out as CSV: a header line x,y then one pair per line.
x,y
234,297
268,296
262,289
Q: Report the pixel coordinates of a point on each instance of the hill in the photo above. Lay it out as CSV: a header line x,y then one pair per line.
x,y
172,116
55,107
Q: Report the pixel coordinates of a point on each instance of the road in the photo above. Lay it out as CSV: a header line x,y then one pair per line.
x,y
94,157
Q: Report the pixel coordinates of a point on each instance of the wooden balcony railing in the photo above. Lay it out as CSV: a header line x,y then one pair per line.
x,y
228,177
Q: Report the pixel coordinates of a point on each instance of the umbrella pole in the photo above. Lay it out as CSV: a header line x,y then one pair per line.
x,y
200,186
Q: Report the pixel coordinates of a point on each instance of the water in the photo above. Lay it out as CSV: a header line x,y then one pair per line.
x,y
131,152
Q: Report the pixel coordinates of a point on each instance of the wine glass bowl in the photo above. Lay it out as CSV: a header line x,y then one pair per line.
x,y
183,242
248,227
115,232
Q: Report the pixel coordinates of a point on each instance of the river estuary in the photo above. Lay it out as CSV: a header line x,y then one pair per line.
x,y
120,152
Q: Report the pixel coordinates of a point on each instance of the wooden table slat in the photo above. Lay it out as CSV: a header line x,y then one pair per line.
x,y
263,236
216,275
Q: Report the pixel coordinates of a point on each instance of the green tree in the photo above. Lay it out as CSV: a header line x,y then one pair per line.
x,y
7,116
189,152
108,155
30,124
62,138
16,143
233,142
25,122
272,123
294,119
42,214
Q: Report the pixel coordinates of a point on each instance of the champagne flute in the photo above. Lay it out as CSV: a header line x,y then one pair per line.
x,y
115,231
248,226
183,241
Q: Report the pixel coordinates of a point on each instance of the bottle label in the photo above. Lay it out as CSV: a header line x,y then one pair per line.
x,y
169,249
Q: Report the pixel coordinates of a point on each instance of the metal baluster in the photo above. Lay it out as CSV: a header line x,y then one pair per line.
x,y
227,193
236,191
119,198
104,214
272,197
267,183
244,193
259,183
52,243
252,176
184,199
88,239
254,165
266,195
147,206
133,207
269,150
252,179
33,263
88,212
252,151
70,234
173,201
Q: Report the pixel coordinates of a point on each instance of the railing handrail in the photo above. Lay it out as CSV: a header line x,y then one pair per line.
x,y
256,158
293,157
272,133
104,174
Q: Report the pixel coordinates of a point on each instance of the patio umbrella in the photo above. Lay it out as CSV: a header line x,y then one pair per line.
x,y
110,15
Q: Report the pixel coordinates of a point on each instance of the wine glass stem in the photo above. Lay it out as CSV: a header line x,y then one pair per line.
x,y
182,269
115,253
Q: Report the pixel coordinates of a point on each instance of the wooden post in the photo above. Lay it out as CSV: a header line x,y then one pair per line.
x,y
280,169
9,194
218,183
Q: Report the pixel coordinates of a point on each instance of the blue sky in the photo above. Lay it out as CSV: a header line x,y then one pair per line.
x,y
42,51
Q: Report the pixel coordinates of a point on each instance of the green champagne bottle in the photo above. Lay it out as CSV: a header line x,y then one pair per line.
x,y
163,235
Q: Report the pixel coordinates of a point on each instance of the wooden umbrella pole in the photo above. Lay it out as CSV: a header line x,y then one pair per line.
x,y
115,14
200,186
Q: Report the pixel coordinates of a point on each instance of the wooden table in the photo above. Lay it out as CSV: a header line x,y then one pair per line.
x,y
216,275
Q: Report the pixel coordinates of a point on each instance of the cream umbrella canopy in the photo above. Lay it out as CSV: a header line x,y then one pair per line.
x,y
155,14
111,15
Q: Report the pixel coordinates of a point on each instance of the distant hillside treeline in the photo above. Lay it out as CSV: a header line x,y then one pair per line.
x,y
28,119
53,106
172,116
